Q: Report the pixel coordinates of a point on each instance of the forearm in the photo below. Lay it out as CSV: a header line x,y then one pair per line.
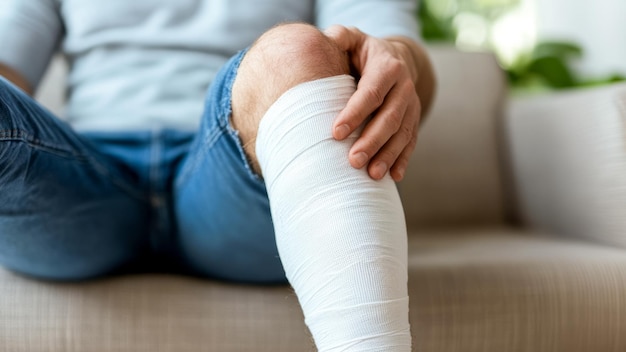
x,y
421,69
15,78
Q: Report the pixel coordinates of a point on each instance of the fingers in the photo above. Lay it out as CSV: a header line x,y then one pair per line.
x,y
385,87
377,79
389,132
394,155
367,98
399,167
379,166
398,170
380,129
373,90
347,39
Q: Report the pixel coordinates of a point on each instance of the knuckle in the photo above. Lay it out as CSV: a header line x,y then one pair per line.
x,y
407,132
393,120
352,29
374,95
408,87
394,66
415,111
412,144
341,31
387,155
418,105
373,145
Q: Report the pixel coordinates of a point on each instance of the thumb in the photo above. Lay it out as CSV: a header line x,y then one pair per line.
x,y
345,38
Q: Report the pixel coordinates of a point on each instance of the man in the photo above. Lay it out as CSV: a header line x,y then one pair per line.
x,y
310,126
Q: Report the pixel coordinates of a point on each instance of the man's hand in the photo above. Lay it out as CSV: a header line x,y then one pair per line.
x,y
386,90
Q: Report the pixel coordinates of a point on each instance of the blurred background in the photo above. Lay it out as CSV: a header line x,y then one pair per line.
x,y
543,45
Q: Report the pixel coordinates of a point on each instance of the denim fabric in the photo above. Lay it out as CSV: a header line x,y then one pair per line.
x,y
84,205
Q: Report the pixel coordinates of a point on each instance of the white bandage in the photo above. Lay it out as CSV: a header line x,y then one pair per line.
x,y
340,234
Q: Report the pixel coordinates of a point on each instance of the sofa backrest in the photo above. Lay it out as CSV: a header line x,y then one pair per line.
x,y
454,178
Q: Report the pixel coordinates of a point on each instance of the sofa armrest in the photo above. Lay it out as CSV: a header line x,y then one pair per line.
x,y
568,159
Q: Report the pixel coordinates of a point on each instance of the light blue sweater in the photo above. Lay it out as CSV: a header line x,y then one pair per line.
x,y
144,64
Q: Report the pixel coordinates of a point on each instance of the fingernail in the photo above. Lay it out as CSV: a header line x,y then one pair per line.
x,y
342,131
380,169
401,171
361,158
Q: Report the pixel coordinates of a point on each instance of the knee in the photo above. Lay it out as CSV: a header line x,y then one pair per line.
x,y
280,59
298,52
287,55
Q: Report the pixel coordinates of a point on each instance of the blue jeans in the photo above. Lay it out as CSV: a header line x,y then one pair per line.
x,y
84,205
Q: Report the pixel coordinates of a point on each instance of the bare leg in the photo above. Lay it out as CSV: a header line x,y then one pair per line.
x,y
279,60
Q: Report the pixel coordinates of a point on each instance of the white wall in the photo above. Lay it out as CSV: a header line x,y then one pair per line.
x,y
598,25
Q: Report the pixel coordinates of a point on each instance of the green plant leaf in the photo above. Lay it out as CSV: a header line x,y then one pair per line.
x,y
433,28
601,81
554,71
547,66
564,50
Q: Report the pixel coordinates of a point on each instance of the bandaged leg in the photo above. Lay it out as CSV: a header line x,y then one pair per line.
x,y
341,235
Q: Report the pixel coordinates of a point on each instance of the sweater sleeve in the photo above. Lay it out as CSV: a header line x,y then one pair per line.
x,y
379,18
30,31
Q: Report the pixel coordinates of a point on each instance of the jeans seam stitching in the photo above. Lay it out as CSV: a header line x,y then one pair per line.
x,y
25,137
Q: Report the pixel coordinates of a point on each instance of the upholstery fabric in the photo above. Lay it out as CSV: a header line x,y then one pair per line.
x,y
454,178
568,153
476,290
504,290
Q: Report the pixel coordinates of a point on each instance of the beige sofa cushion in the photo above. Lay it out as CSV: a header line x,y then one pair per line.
x,y
474,291
506,291
568,153
454,177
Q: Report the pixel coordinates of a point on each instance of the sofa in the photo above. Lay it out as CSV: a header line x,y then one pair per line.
x,y
516,211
